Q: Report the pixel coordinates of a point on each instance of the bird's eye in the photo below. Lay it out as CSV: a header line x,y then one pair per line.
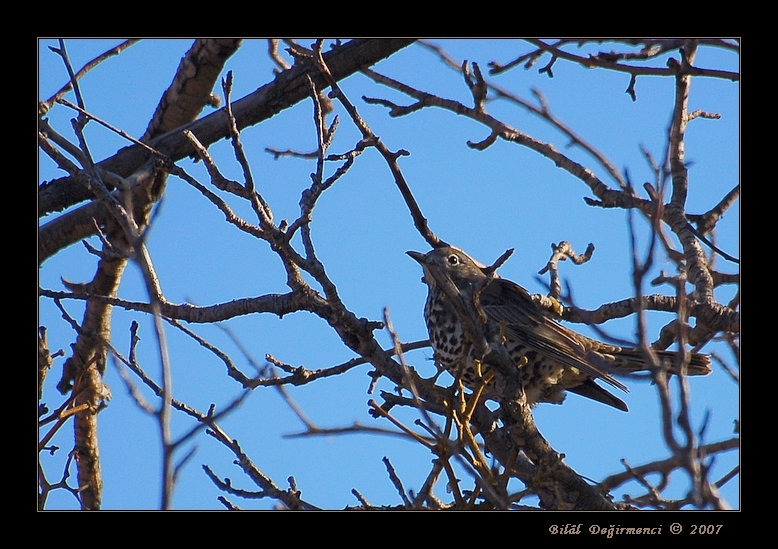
x,y
453,259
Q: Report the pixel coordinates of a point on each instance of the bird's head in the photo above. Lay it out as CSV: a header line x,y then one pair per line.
x,y
450,262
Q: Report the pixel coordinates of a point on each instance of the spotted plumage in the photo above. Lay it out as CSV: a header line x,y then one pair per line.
x,y
552,359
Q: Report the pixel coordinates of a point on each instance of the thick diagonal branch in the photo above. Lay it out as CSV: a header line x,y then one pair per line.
x,y
287,89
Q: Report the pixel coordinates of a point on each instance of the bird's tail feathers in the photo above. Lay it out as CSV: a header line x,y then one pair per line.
x,y
634,360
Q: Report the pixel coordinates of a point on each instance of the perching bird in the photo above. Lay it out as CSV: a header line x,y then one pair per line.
x,y
552,359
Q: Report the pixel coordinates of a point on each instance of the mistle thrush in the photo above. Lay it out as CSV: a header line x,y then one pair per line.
x,y
552,358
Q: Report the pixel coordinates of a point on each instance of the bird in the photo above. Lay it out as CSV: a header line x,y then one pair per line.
x,y
552,358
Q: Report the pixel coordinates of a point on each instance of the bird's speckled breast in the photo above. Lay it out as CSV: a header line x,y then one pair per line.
x,y
541,378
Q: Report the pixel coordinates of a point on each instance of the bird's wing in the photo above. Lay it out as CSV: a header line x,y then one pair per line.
x,y
590,389
506,302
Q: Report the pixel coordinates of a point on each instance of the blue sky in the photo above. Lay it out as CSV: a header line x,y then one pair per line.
x,y
482,201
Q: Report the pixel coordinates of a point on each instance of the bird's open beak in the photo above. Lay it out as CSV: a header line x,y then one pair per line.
x,y
418,256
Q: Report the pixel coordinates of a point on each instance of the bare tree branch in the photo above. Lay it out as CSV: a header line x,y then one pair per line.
x,y
286,90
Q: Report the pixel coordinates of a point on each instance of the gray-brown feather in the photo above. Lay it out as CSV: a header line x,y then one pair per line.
x,y
552,358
